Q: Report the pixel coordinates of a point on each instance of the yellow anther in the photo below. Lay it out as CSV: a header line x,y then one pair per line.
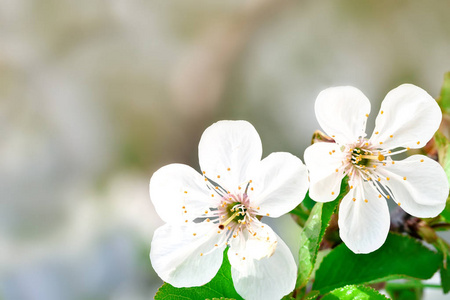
x,y
206,179
389,197
384,164
333,151
217,187
407,148
258,208
267,214
421,160
194,234
404,178
399,204
393,162
228,169
381,143
381,157
418,143
379,179
351,186
218,176
333,136
229,227
332,193
204,172
251,189
234,236
212,195
185,192
374,166
330,152
365,200
186,221
381,112
201,254
243,258
387,178
206,211
391,136
367,115
216,245
208,220
354,199
254,234
268,238
377,132
250,181
239,188
367,144
379,196
184,207
389,151
185,211
337,170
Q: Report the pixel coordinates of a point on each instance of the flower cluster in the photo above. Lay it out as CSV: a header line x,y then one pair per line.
x,y
222,207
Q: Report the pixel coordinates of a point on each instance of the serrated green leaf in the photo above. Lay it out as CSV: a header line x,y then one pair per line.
x,y
312,235
444,99
220,287
399,257
353,292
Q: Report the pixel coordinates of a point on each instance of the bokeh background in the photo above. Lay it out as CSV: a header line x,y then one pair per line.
x,y
95,95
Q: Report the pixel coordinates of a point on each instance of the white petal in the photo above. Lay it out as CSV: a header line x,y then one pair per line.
x,y
424,190
408,114
363,226
256,242
175,186
268,278
325,182
279,184
227,150
176,253
342,113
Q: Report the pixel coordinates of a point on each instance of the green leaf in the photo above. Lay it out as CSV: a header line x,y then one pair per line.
x,y
442,144
412,290
444,250
221,287
353,292
312,235
444,99
399,257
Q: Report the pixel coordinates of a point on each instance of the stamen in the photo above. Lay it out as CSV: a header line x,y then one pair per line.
x,y
222,226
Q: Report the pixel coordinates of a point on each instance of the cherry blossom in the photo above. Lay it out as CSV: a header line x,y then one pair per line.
x,y
222,207
408,119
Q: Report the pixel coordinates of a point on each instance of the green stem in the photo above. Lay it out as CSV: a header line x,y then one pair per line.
x,y
407,285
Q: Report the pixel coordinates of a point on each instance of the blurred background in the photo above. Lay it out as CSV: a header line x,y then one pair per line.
x,y
96,95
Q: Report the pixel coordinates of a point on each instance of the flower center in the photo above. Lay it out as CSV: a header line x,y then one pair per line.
x,y
363,157
234,211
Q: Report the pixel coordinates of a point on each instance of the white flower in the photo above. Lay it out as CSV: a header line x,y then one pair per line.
x,y
205,214
408,118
